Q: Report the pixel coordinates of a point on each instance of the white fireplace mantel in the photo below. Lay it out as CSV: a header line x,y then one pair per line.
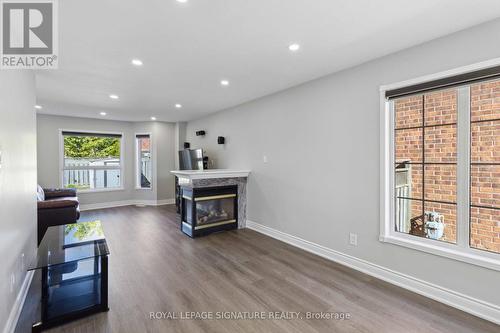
x,y
210,174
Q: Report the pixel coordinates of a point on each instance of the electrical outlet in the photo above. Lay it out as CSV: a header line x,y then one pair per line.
x,y
264,158
353,239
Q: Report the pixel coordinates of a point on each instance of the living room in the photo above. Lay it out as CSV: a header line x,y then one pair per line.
x,y
309,166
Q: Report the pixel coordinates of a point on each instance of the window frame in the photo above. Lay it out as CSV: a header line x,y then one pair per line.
x,y
460,251
136,161
122,159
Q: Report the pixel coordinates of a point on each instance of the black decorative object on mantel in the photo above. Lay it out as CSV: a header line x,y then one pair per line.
x,y
200,133
221,140
187,145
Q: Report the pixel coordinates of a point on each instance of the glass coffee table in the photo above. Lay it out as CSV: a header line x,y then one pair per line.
x,y
73,261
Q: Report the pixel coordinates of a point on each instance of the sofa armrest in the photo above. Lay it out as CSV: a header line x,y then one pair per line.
x,y
56,212
54,204
51,193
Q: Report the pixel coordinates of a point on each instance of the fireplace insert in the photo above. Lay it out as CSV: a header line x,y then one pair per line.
x,y
209,209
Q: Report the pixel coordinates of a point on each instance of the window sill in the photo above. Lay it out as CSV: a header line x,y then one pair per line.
x,y
144,188
100,190
472,256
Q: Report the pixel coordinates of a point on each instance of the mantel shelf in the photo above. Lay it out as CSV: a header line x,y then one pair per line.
x,y
211,174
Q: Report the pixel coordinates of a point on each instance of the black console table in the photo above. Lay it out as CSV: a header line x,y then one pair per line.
x,y
73,261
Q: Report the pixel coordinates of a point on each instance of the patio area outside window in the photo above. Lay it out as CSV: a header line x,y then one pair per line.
x,y
92,161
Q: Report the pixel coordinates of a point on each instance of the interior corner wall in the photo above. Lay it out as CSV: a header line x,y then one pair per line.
x,y
180,138
163,136
322,144
17,186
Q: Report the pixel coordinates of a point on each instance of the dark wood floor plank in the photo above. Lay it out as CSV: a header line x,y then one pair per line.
x,y
154,267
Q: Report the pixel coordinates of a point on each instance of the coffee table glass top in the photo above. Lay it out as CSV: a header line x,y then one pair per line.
x,y
71,242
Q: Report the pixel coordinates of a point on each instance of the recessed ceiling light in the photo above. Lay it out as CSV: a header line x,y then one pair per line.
x,y
153,118
182,1
113,96
38,107
178,106
103,113
294,47
224,82
136,62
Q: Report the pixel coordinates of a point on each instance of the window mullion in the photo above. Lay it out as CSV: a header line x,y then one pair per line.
x,y
463,166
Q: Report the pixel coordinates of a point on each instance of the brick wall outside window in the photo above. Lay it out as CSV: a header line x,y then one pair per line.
x,y
485,176
437,111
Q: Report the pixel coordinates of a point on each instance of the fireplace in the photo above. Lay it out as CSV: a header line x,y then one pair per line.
x,y
209,209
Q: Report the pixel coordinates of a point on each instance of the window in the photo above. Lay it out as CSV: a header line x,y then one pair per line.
x,y
92,161
143,158
425,149
441,160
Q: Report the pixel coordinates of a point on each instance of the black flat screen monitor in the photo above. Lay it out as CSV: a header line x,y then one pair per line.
x,y
191,159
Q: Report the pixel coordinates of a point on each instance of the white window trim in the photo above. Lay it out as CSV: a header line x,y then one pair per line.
x,y
460,251
136,162
122,159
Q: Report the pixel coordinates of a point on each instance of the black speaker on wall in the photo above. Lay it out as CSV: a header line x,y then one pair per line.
x,y
200,133
187,145
221,140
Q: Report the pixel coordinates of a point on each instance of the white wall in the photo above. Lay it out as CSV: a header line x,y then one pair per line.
x,y
163,156
322,142
164,141
17,184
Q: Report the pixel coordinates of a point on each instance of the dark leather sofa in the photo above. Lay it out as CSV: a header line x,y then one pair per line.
x,y
56,207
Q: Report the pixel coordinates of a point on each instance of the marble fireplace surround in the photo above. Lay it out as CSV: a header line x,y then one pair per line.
x,y
218,177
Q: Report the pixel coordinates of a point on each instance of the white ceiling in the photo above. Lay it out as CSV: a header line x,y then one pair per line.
x,y
187,48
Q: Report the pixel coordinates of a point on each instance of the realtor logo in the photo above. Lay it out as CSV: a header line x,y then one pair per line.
x,y
29,34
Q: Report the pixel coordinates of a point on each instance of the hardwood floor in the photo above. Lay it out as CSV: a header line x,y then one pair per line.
x,y
155,268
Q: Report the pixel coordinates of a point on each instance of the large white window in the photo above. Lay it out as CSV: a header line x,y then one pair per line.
x,y
144,167
91,161
441,167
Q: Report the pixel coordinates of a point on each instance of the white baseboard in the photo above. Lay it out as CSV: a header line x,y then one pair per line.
x,y
10,325
165,202
479,308
154,202
111,204
102,205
